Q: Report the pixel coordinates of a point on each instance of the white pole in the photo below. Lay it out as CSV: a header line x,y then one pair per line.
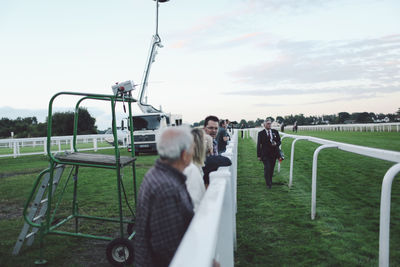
x,y
384,221
292,159
314,179
15,149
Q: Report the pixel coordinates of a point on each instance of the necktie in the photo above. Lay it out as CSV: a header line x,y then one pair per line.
x,y
269,135
215,147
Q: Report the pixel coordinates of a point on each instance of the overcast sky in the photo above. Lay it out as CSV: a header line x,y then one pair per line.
x,y
232,58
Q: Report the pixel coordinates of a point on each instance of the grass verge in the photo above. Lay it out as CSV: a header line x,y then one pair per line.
x,y
274,226
97,196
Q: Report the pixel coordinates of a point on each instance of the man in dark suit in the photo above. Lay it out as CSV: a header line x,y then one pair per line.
x,y
268,143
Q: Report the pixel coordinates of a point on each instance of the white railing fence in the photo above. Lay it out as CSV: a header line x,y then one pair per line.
x,y
38,145
357,127
211,235
382,154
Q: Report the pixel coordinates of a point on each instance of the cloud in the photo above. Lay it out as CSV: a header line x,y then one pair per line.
x,y
342,99
240,16
342,90
352,67
271,105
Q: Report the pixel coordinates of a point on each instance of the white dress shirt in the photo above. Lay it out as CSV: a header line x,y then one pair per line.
x,y
270,134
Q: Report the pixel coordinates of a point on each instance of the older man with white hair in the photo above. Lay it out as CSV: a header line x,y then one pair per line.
x,y
164,208
268,143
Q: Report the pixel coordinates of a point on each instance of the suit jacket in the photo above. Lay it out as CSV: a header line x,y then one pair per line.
x,y
265,149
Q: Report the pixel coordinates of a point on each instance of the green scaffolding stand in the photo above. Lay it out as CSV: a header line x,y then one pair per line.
x,y
39,212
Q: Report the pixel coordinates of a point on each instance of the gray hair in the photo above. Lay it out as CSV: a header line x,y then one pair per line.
x,y
173,141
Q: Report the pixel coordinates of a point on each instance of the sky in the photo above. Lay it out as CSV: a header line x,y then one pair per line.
x,y
237,59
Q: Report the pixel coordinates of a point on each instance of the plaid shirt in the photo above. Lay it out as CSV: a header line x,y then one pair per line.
x,y
164,211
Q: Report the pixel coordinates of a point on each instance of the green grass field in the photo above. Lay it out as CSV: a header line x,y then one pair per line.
x,y
274,227
97,196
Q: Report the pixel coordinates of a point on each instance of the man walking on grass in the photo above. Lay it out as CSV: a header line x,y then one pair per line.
x,y
268,143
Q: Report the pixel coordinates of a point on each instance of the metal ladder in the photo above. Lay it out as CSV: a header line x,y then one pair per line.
x,y
38,209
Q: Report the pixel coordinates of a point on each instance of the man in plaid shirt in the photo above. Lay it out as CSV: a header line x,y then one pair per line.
x,y
164,208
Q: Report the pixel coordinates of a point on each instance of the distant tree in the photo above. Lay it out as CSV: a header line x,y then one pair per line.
x,y
280,119
362,117
301,120
251,124
372,116
311,120
391,116
259,122
86,123
343,116
243,122
289,120
6,126
39,130
380,116
22,127
63,123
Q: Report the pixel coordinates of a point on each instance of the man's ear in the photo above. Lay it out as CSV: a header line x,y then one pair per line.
x,y
184,155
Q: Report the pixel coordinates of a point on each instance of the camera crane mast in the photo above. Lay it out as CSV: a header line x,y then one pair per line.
x,y
155,44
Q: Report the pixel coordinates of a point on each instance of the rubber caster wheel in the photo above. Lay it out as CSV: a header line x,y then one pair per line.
x,y
130,227
120,252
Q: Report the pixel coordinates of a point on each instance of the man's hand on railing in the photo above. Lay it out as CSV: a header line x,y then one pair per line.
x,y
216,263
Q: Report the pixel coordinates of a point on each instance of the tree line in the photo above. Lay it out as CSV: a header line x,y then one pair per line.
x,y
62,124
340,118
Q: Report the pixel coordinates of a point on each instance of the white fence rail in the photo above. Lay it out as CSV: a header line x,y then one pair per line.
x,y
357,127
211,235
38,145
387,155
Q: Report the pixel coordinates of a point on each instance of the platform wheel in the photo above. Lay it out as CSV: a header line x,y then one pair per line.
x,y
120,252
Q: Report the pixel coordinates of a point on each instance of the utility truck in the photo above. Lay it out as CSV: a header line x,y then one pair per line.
x,y
146,128
147,125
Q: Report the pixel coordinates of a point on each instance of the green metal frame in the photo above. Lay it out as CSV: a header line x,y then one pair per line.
x,y
45,226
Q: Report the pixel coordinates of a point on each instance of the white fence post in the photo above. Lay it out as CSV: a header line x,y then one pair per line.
x,y
15,150
292,159
314,179
384,221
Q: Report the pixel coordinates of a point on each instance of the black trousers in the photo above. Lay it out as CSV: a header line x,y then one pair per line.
x,y
269,166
